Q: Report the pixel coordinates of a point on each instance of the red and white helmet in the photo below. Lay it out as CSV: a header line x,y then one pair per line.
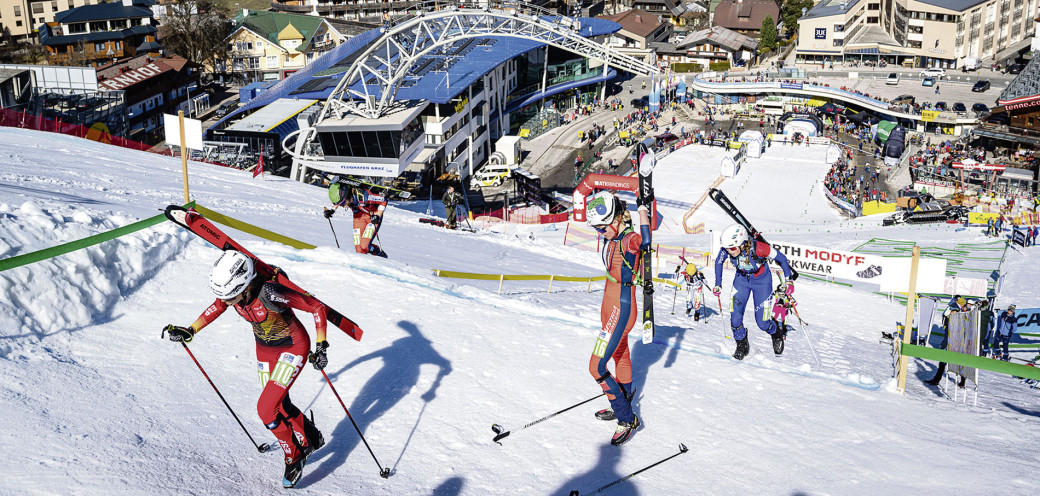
x,y
733,236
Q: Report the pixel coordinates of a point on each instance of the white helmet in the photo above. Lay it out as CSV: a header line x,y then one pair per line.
x,y
232,272
601,208
733,236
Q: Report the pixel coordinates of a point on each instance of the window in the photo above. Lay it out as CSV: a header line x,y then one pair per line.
x,y
18,23
254,62
244,46
99,46
839,28
272,61
838,42
98,26
78,27
117,45
18,11
37,8
54,6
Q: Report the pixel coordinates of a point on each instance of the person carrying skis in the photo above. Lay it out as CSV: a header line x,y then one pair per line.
x,y
282,349
367,207
694,281
621,249
1005,327
751,258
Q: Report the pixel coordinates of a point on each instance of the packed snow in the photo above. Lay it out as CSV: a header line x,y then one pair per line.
x,y
96,403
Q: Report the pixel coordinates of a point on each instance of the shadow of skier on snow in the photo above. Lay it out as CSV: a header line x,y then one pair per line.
x,y
603,473
400,373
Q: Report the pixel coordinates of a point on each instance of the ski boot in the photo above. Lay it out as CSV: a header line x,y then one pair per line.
x,y
608,413
624,431
697,316
743,348
688,312
779,336
294,469
314,438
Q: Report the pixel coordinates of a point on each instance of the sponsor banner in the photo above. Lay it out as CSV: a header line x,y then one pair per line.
x,y
929,115
839,264
833,154
1018,237
791,86
842,204
1028,320
965,286
978,166
982,218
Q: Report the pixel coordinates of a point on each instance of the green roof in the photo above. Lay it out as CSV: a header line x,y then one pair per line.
x,y
269,24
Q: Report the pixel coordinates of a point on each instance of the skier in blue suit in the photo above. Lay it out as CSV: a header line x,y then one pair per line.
x,y
1005,327
751,258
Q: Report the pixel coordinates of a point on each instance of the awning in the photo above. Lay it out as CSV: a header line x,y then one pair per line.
x,y
1012,51
1004,136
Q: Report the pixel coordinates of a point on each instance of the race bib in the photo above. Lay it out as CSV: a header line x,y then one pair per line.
x,y
602,339
285,369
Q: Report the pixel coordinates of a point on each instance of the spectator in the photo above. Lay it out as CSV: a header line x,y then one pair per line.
x,y
1004,328
451,200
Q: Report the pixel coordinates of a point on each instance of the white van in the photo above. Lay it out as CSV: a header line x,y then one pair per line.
x,y
490,175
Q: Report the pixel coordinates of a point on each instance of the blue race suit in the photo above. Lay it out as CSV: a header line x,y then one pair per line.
x,y
752,277
1005,327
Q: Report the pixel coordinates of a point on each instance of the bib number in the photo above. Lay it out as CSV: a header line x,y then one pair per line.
x,y
285,370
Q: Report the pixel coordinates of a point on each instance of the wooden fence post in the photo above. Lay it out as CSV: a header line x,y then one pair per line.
x,y
911,297
501,278
551,277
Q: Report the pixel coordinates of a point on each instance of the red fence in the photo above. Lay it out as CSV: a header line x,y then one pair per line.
x,y
98,132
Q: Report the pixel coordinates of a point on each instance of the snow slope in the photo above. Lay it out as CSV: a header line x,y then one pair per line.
x,y
96,403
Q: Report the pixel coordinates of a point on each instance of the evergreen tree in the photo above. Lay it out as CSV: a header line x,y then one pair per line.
x,y
767,39
791,12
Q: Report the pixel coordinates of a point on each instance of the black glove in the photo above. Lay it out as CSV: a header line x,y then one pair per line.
x,y
178,333
318,358
328,213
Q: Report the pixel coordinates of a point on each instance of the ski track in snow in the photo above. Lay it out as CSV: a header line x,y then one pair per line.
x,y
97,403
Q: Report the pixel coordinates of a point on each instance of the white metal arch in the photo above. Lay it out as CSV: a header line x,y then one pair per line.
x,y
391,57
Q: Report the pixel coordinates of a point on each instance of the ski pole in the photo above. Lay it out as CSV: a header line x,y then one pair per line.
x,y
383,472
501,434
333,231
682,449
673,299
261,447
719,297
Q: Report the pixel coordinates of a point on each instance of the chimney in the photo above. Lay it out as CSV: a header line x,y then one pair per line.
x,y
245,13
639,18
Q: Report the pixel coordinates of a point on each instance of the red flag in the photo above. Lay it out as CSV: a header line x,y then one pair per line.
x,y
259,169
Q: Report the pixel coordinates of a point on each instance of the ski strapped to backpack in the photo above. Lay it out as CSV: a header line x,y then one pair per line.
x,y
727,206
357,183
194,222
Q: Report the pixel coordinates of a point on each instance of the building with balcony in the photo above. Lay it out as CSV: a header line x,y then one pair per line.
x,y
919,33
20,19
268,46
152,86
638,30
93,35
719,44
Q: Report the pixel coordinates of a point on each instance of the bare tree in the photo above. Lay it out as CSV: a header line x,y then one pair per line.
x,y
196,30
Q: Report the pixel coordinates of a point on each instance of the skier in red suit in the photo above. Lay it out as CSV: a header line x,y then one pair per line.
x,y
282,349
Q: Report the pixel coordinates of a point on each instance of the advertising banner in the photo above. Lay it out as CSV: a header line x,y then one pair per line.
x,y
929,115
791,86
833,154
981,217
965,286
931,275
839,264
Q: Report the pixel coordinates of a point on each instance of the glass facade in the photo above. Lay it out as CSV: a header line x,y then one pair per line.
x,y
372,144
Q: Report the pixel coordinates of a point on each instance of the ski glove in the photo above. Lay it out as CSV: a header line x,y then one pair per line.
x,y
178,333
717,290
318,358
328,213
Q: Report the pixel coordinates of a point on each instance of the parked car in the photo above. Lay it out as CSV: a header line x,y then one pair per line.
x,y
928,81
226,108
959,107
1015,68
980,86
980,107
934,72
941,106
901,99
640,103
892,78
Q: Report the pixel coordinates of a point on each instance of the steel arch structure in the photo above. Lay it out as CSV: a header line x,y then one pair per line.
x,y
381,67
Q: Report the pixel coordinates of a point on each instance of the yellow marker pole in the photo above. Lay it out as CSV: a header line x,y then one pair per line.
x,y
500,279
911,300
184,155
551,277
